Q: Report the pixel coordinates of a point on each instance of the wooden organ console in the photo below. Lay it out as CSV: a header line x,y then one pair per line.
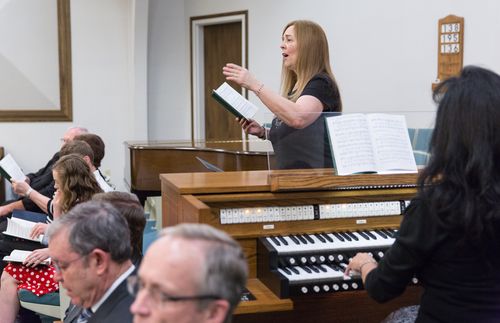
x,y
298,228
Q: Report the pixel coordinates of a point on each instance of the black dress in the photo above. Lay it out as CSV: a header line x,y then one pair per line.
x,y
459,284
308,147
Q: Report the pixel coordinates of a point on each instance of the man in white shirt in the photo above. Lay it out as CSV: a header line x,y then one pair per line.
x,y
98,148
90,248
193,273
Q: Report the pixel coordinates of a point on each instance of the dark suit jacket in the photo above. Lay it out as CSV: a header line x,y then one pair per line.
x,y
43,182
116,308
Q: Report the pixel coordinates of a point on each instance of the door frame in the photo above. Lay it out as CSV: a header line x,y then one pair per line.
x,y
198,68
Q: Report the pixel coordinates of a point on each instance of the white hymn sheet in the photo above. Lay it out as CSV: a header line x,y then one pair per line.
x,y
12,168
21,228
236,100
377,143
393,153
20,256
351,144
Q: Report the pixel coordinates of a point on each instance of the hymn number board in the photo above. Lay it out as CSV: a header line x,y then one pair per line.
x,y
450,46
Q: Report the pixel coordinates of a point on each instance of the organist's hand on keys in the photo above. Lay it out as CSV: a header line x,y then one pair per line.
x,y
362,263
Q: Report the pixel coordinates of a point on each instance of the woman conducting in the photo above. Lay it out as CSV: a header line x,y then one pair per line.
x,y
309,88
450,235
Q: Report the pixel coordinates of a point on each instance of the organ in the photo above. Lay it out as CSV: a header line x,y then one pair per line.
x,y
298,229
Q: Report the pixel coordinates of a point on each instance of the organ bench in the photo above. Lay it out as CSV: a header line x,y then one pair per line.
x,y
293,226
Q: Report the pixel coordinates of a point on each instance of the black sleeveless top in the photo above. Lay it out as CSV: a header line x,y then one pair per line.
x,y
308,147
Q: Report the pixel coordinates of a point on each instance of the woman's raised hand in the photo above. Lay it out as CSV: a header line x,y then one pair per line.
x,y
240,76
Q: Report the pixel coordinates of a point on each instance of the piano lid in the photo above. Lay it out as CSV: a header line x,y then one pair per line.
x,y
253,147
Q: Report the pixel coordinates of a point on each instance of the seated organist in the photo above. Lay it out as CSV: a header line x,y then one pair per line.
x,y
192,273
450,235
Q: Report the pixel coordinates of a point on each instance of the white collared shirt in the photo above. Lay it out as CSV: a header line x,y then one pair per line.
x,y
113,286
102,182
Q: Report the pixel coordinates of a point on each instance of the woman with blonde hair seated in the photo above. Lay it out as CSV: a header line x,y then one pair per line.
x,y
74,183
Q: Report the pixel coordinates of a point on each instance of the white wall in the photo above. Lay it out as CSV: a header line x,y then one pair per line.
x,y
103,90
168,72
384,53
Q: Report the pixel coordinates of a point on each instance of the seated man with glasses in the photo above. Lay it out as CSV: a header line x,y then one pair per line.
x,y
90,249
192,273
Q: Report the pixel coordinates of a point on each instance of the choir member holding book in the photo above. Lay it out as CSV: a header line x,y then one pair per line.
x,y
309,88
74,184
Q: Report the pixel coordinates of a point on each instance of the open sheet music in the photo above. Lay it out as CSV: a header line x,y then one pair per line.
x,y
20,256
234,102
372,143
21,229
10,169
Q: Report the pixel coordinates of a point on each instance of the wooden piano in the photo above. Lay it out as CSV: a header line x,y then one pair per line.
x,y
253,206
146,160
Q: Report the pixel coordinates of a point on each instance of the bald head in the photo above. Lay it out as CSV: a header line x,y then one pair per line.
x,y
72,132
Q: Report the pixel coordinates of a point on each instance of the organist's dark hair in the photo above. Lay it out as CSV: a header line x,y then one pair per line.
x,y
464,168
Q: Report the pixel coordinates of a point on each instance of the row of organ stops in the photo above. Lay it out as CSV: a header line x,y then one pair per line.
x,y
338,260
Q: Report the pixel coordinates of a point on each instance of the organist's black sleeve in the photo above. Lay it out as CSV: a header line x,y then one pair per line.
x,y
415,241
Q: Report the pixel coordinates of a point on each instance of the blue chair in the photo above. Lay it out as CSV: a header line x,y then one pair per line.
x,y
150,233
45,306
420,139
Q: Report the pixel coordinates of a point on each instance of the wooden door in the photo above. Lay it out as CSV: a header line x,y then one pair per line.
x,y
222,44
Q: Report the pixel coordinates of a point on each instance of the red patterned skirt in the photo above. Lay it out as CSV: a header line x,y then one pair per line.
x,y
38,280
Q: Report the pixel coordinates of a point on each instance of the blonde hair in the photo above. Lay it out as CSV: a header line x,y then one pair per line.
x,y
312,58
78,184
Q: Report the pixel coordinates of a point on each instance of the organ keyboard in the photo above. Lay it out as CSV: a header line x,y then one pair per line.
x,y
301,264
298,230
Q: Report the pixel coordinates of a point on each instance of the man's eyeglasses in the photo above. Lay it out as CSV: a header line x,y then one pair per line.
x,y
60,267
135,285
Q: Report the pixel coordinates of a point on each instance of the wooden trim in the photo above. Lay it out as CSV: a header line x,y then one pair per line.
x,y
191,63
2,182
328,181
265,301
65,112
